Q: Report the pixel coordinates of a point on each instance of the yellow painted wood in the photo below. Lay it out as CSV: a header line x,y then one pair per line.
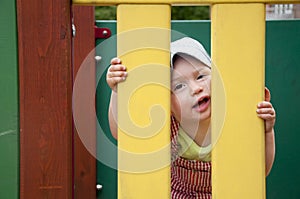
x,y
176,2
144,102
238,51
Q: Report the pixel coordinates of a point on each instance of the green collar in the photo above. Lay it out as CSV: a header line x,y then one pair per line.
x,y
190,150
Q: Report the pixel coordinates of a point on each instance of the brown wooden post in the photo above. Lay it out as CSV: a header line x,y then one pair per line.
x,y
84,162
45,74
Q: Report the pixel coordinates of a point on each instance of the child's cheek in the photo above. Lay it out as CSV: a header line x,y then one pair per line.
x,y
175,107
208,85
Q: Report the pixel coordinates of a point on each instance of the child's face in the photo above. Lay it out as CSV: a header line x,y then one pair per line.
x,y
190,98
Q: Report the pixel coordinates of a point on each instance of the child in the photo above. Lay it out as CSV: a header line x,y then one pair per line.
x,y
190,119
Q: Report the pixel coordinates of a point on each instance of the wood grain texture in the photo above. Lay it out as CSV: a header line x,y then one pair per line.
x,y
84,162
45,77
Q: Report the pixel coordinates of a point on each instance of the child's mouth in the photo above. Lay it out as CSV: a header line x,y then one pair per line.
x,y
202,104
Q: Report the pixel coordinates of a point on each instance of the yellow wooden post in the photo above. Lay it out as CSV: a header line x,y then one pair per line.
x,y
238,40
144,101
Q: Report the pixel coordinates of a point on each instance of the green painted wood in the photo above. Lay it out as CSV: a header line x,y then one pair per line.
x,y
106,175
282,78
9,113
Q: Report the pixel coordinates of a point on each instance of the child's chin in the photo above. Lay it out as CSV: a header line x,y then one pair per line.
x,y
205,117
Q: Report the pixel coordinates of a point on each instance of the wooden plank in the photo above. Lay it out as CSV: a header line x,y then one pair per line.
x,y
45,75
144,130
84,161
238,52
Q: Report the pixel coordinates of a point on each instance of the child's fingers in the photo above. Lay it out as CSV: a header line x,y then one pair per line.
x,y
113,78
117,80
117,67
266,116
113,82
270,111
116,74
115,60
266,113
264,104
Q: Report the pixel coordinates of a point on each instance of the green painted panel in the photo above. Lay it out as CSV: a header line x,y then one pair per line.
x,y
9,116
106,172
282,77
282,71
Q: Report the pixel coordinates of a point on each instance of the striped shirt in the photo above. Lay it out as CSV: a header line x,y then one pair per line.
x,y
190,179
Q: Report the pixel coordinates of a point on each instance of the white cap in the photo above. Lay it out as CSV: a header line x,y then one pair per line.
x,y
190,47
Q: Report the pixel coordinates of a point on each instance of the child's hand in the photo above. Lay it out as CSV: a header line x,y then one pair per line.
x,y
116,73
266,112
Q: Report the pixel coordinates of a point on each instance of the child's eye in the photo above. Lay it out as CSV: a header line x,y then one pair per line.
x,y
200,76
179,86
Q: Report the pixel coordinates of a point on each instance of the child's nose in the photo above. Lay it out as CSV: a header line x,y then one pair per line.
x,y
195,88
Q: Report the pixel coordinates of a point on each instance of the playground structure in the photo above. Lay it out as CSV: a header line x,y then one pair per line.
x,y
45,109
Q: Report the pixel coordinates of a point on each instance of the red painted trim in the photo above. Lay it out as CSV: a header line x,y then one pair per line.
x,y
102,33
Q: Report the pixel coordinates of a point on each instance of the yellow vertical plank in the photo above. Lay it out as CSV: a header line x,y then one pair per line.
x,y
238,40
144,102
